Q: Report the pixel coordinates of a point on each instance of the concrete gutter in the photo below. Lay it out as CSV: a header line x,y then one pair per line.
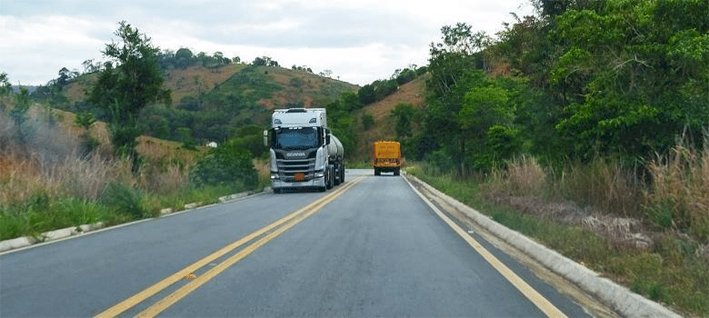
x,y
617,297
25,241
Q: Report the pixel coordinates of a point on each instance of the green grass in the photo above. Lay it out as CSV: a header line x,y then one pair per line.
x,y
34,218
121,204
671,273
177,201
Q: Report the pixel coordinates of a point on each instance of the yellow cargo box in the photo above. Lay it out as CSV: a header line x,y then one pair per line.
x,y
386,157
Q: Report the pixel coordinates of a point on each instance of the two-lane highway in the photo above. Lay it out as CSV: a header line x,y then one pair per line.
x,y
370,247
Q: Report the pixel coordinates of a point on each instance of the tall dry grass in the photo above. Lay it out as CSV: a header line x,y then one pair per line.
x,y
603,184
164,179
48,161
523,176
679,194
676,196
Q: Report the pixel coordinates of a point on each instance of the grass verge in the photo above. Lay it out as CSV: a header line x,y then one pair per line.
x,y
41,213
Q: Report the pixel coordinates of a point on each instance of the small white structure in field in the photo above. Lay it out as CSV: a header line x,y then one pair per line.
x,y
212,144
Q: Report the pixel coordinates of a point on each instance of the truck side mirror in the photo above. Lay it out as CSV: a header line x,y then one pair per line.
x,y
265,138
327,139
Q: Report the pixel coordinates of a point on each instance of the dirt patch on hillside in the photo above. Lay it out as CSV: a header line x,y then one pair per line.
x,y
383,129
194,80
409,93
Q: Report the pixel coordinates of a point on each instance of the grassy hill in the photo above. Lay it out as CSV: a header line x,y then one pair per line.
x,y
214,103
296,86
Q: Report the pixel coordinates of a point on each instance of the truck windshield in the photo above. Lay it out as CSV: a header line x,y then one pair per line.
x,y
304,138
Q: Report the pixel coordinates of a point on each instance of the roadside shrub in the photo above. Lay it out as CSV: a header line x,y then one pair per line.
x,y
439,161
122,199
227,165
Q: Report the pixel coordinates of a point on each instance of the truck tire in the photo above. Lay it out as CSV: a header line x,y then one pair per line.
x,y
377,172
338,175
397,172
342,174
330,178
277,190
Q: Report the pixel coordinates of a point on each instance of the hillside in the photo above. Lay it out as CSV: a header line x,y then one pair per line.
x,y
213,103
296,86
154,150
383,129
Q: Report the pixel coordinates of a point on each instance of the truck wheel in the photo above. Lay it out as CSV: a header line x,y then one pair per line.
x,y
277,190
377,172
330,178
397,172
338,177
342,174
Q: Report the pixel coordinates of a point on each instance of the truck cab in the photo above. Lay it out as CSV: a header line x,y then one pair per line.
x,y
303,152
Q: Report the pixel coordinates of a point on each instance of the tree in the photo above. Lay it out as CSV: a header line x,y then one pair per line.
x,y
85,120
5,86
485,119
455,66
404,76
227,165
64,77
183,58
367,121
262,61
89,66
403,117
131,80
634,74
366,94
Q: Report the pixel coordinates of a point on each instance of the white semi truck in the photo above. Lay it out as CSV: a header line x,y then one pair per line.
x,y
304,153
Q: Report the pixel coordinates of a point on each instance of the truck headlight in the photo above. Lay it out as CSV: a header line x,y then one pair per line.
x,y
320,160
319,174
274,176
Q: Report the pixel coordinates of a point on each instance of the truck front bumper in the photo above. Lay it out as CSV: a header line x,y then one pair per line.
x,y
313,183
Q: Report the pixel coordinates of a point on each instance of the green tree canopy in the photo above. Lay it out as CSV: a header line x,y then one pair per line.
x,y
130,80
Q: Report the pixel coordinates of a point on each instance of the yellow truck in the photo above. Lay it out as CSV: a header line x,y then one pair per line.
x,y
386,157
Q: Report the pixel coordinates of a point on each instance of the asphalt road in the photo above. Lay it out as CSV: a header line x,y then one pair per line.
x,y
370,247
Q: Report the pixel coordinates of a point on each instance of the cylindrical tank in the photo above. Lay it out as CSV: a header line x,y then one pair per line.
x,y
335,149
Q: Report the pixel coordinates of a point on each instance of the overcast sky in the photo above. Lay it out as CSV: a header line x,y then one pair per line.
x,y
359,40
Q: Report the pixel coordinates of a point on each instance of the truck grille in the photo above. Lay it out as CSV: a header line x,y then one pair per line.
x,y
287,169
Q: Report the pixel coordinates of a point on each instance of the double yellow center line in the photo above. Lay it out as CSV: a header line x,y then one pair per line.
x,y
264,235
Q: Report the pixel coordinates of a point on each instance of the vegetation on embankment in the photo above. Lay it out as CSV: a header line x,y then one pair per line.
x,y
48,182
57,174
650,238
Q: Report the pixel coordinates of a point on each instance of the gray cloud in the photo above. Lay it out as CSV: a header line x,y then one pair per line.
x,y
390,34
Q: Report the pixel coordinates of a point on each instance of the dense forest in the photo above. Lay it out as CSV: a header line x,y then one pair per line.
x,y
580,80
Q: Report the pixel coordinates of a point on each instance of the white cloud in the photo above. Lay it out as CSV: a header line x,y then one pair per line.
x,y
360,41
